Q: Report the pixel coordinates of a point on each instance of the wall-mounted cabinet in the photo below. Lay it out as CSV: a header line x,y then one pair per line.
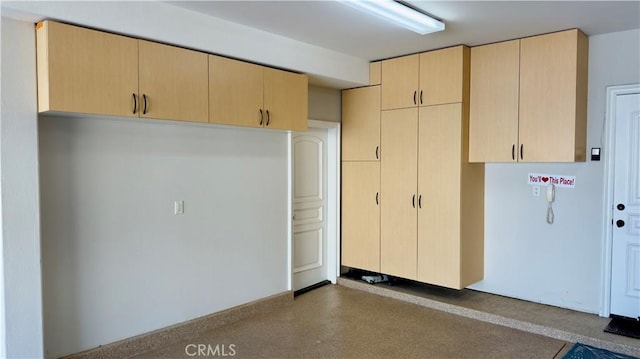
x,y
68,59
430,78
528,99
236,95
245,94
173,83
88,71
285,100
361,124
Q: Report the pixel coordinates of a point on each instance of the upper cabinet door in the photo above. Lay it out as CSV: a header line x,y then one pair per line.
x,y
553,95
444,76
87,71
174,82
235,92
285,100
400,82
361,124
493,123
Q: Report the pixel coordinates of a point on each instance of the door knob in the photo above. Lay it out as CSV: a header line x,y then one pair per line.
x,y
620,207
620,223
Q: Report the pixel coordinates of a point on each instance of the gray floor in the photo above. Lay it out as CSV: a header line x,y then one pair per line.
x,y
559,323
339,322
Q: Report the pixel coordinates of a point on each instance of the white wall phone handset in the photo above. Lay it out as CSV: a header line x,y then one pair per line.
x,y
551,196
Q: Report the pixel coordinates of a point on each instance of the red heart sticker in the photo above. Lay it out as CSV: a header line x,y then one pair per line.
x,y
545,179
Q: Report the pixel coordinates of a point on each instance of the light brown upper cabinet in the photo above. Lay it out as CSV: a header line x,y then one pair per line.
x,y
173,83
361,124
235,96
495,84
375,71
285,100
245,94
400,82
89,71
546,122
430,78
86,71
553,97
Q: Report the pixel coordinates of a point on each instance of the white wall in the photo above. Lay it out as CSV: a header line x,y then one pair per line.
x,y
75,303
325,104
170,24
117,262
559,264
19,194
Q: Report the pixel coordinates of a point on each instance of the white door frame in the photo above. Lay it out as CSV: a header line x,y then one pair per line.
x,y
607,245
333,200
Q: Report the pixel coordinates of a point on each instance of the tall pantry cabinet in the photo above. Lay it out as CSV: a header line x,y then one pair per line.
x,y
361,178
431,199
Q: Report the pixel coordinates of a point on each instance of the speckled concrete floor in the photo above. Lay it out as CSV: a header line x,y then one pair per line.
x,y
339,322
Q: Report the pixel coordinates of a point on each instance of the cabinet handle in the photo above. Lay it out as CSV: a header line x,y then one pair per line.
x,y
135,103
413,201
420,201
521,152
421,97
268,118
513,152
261,117
377,197
414,97
144,99
377,152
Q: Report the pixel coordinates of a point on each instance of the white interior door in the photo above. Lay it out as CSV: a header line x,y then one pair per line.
x,y
309,207
625,261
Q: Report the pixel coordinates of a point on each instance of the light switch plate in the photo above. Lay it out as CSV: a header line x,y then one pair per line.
x,y
178,207
536,191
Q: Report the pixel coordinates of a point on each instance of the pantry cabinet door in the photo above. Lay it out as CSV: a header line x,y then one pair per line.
x,y
439,177
361,215
398,184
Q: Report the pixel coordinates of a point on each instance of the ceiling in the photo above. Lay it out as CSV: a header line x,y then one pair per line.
x,y
334,26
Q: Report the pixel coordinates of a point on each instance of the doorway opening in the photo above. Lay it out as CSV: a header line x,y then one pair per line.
x,y
314,206
621,248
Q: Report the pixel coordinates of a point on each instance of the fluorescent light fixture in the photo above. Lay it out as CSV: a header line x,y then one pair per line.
x,y
398,14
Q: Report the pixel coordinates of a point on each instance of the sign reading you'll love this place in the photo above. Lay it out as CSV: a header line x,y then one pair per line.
x,y
562,181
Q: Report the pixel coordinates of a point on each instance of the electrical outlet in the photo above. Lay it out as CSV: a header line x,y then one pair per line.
x,y
536,191
178,207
